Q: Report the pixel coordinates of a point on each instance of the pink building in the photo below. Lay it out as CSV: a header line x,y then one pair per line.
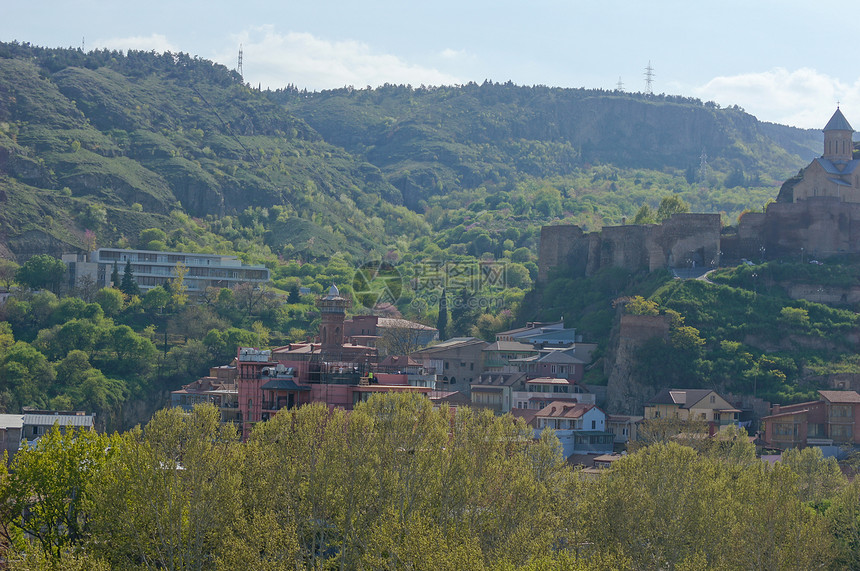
x,y
338,373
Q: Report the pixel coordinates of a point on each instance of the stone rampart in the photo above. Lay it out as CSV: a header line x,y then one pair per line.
x,y
685,240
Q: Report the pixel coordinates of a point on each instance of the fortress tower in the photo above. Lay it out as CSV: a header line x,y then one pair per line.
x,y
333,308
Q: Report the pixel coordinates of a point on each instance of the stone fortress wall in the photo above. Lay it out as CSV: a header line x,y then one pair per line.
x,y
684,240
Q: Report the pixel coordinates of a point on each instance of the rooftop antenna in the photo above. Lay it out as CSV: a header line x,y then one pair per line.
x,y
649,78
239,67
620,85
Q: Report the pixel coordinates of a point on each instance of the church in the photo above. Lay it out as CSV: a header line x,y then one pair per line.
x,y
835,174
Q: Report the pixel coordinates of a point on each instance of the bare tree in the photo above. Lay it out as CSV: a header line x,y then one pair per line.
x,y
402,339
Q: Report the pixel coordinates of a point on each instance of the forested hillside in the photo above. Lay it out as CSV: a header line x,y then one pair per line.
x,y
114,143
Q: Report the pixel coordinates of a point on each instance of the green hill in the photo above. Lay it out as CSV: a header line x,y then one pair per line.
x,y
117,142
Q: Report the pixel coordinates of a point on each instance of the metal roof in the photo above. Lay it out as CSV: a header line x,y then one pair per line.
x,y
838,122
85,420
11,421
838,168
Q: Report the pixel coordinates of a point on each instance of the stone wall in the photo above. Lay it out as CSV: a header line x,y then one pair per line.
x,y
822,226
625,395
685,240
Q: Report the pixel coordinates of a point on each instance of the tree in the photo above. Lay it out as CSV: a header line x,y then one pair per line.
x,y
294,296
671,204
819,478
150,235
129,286
114,276
8,268
41,271
644,215
253,299
110,299
169,492
403,338
52,483
638,305
442,320
178,289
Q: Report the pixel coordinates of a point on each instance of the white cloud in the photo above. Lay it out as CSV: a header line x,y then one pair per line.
x,y
275,60
802,98
157,42
449,53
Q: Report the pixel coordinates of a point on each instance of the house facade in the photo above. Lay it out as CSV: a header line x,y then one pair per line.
x,y
832,420
218,389
580,427
495,390
456,362
692,404
538,392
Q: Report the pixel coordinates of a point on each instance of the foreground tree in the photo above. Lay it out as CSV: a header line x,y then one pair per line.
x,y
46,492
168,494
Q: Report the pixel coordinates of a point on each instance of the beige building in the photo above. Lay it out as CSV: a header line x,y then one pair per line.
x,y
692,404
456,362
835,173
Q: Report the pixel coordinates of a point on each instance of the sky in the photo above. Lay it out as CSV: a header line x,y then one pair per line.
x,y
784,61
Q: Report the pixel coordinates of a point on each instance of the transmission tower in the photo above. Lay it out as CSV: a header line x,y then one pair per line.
x,y
703,168
239,67
620,85
649,78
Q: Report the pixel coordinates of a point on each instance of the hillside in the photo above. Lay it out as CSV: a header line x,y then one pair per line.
x,y
115,143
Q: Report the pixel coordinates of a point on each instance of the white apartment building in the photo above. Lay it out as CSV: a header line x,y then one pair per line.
x,y
152,268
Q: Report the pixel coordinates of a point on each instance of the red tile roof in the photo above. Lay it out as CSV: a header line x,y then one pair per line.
x,y
840,396
564,409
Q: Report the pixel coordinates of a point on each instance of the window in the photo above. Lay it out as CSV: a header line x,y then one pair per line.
x,y
785,429
713,399
593,425
840,411
841,433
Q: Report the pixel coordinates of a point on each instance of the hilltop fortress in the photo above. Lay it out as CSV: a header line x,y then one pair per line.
x,y
817,214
